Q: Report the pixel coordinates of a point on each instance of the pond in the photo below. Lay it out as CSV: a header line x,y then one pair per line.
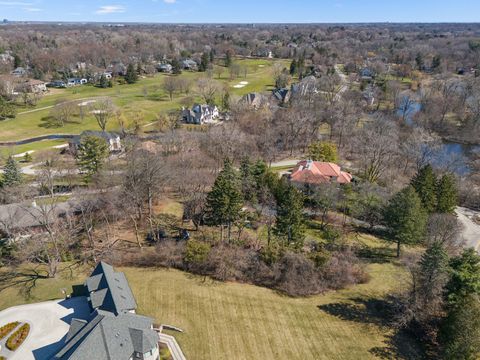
x,y
451,155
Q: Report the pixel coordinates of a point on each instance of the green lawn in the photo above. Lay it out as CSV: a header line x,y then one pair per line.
x,y
130,98
238,321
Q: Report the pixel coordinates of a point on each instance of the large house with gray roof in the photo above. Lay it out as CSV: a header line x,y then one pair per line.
x,y
113,331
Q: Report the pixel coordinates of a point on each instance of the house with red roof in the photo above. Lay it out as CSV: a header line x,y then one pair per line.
x,y
318,172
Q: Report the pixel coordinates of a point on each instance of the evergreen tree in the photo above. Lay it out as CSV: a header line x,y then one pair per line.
x,y
103,83
436,62
289,225
419,61
7,109
224,201
16,61
204,62
12,175
425,184
131,76
176,68
433,276
464,277
212,56
406,218
293,67
248,180
460,331
226,100
323,151
91,155
228,58
446,194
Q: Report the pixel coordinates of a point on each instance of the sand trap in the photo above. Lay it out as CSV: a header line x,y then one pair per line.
x,y
60,146
261,65
85,103
241,84
23,154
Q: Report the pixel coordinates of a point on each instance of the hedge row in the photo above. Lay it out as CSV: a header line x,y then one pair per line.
x,y
18,337
6,329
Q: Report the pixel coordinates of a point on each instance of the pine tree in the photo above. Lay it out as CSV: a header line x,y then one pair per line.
x,y
176,68
204,62
212,56
460,331
224,201
290,222
464,277
293,67
406,218
446,194
103,83
131,76
12,175
228,58
91,155
425,184
248,180
7,109
226,100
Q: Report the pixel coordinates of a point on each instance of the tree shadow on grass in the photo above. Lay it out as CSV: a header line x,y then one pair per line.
x,y
398,344
26,280
49,122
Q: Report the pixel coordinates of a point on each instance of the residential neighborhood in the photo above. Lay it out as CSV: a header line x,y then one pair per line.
x,y
205,180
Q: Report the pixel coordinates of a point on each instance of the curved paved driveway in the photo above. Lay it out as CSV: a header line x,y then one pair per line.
x,y
49,323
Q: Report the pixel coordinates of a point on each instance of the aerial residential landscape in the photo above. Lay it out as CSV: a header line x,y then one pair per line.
x,y
184,179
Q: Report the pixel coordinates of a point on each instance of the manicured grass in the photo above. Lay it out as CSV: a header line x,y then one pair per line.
x,y
131,98
5,151
239,321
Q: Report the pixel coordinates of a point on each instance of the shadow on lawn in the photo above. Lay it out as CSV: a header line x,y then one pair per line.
x,y
398,344
27,280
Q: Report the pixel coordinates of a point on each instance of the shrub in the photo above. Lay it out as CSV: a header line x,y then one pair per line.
x,y
6,329
196,254
18,337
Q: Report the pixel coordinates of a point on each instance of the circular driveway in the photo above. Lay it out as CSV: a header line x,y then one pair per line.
x,y
49,323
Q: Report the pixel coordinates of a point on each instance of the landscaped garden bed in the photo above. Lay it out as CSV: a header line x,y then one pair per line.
x,y
6,329
18,337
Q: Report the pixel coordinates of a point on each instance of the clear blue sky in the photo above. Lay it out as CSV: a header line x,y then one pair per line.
x,y
242,11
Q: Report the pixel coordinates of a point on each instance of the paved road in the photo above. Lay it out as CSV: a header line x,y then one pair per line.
x,y
471,230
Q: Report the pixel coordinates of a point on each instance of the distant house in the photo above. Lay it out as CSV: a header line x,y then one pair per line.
x,y
166,68
112,139
201,114
76,81
19,71
317,172
189,64
282,95
57,84
6,58
33,86
264,52
255,100
367,74
307,86
113,331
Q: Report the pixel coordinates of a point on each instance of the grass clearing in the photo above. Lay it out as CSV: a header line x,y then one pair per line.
x,y
146,95
239,321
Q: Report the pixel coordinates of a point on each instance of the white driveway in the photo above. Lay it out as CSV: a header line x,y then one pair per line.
x,y
49,323
471,230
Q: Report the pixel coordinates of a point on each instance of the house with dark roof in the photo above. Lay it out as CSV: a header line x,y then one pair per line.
x,y
114,331
201,114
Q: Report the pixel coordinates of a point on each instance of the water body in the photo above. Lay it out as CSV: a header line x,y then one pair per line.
x,y
451,155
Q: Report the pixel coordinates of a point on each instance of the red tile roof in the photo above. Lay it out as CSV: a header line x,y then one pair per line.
x,y
317,172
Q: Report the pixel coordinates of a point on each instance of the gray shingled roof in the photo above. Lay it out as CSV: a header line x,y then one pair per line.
x,y
109,290
112,333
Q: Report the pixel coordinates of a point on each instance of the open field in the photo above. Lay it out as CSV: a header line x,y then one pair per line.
x,y
145,96
238,321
